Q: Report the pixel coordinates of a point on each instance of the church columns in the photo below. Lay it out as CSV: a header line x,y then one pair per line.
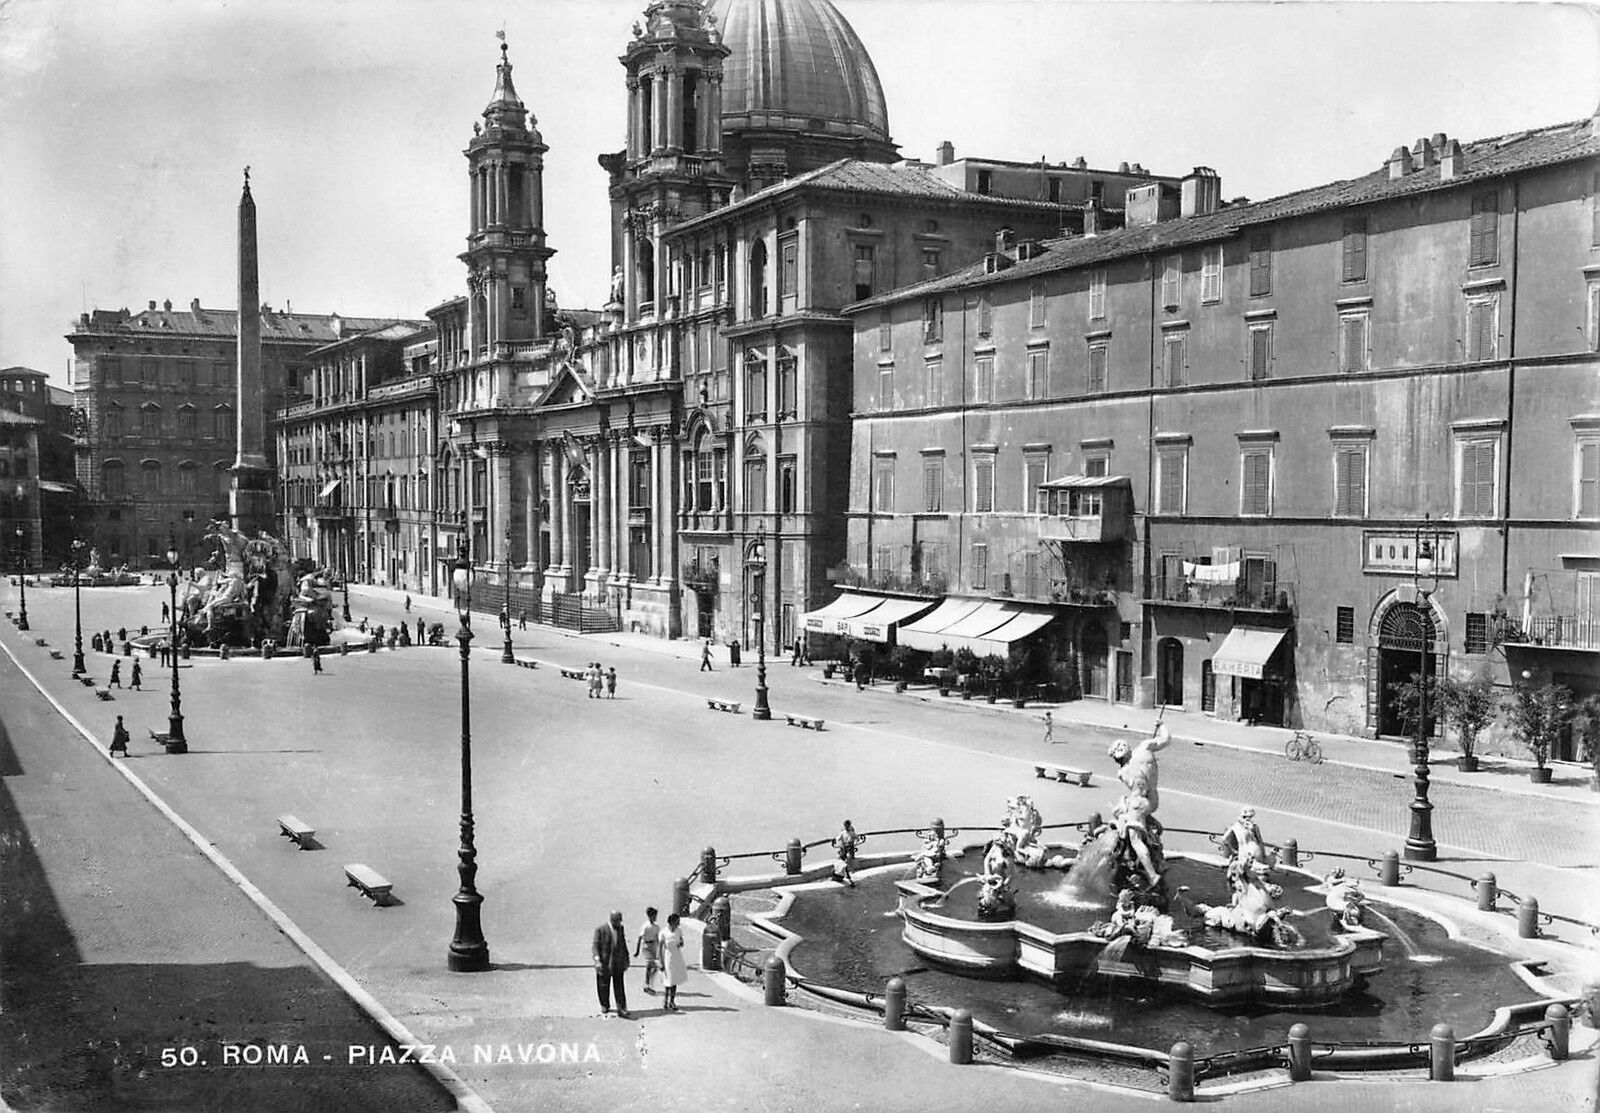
x,y
659,88
601,495
532,481
670,134
499,517
658,513
564,516
622,456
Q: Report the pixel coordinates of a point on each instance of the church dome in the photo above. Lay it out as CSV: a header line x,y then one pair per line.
x,y
797,66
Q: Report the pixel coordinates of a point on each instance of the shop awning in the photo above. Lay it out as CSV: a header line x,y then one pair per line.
x,y
1020,625
926,633
983,625
1244,652
328,488
830,619
881,622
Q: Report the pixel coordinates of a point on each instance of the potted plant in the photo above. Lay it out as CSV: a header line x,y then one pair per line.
x,y
993,668
1468,706
1536,716
1586,723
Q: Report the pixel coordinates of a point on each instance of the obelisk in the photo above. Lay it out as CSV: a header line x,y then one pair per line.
x,y
250,492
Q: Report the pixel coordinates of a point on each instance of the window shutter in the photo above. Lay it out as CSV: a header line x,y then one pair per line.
x,y
1175,352
1480,330
1097,369
1211,275
985,315
1594,316
1589,479
1260,353
1350,481
932,486
1355,250
1260,266
1352,344
1477,479
1257,469
1036,305
1170,281
1172,482
1485,227
1097,295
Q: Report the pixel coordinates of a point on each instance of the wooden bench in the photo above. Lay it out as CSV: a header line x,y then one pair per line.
x,y
292,828
723,705
369,881
803,721
1063,773
103,693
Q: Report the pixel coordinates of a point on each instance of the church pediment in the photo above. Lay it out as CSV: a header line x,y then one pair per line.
x,y
568,386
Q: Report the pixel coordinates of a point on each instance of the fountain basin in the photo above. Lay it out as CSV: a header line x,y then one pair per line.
x,y
1212,967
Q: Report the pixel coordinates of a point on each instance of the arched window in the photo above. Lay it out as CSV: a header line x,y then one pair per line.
x,y
186,420
150,478
222,422
186,483
758,279
112,423
111,479
150,421
704,475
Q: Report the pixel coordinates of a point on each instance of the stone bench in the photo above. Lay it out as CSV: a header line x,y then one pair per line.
x,y
55,655
1063,773
103,693
291,828
575,674
527,664
86,680
723,705
803,721
40,642
371,883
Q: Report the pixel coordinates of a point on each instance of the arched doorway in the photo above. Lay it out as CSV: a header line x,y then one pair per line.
x,y
1169,672
1407,645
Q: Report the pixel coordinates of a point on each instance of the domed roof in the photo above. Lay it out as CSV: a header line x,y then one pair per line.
x,y
796,64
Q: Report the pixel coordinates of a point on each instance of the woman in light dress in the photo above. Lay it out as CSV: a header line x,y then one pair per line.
x,y
672,963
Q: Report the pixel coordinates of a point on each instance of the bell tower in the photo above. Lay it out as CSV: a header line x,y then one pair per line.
x,y
506,254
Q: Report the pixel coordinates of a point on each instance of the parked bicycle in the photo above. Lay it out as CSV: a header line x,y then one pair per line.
x,y
1303,747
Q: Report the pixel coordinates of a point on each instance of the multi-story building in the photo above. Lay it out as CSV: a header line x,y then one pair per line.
x,y
1265,459
156,429
37,491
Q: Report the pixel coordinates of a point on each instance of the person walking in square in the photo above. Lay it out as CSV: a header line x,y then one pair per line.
x,y
119,739
733,653
138,676
673,968
316,663
166,651
116,675
1049,730
611,682
166,614
649,943
597,680
408,602
705,656
522,620
122,633
610,954
795,650
845,844
422,633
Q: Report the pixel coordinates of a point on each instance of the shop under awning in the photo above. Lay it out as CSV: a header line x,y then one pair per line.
x,y
328,488
925,633
981,625
1244,652
830,618
1023,623
881,623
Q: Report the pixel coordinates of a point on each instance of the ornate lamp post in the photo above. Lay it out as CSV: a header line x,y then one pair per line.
x,y
78,668
176,743
506,657
344,581
1419,843
468,950
22,580
759,559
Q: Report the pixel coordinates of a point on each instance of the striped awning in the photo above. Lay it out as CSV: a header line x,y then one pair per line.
x,y
881,622
830,619
1244,652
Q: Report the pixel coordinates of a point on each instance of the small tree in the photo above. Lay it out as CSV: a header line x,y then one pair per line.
x,y
1405,696
1586,722
1468,706
1537,715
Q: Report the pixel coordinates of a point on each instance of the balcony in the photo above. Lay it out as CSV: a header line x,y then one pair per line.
x,y
1085,508
1080,528
1246,592
1559,632
929,583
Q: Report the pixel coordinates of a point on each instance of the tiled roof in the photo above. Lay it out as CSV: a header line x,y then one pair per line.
x,y
850,175
7,417
311,328
1482,160
11,372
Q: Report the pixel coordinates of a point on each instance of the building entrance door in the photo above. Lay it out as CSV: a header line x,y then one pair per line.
x,y
1169,672
702,602
1406,649
1124,676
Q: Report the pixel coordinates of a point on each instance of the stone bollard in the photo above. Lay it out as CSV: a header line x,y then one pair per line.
x,y
1390,874
1488,893
1299,1053
708,865
344,649
680,896
1180,1072
1528,918
722,916
1442,1054
776,985
938,827
1558,1037
1290,852
710,949
791,857
894,1005
961,1037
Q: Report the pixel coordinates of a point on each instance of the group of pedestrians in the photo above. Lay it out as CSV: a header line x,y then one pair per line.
x,y
662,952
602,681
135,680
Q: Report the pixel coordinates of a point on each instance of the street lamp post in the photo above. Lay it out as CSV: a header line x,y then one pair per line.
x,y
506,657
345,583
78,668
761,710
1419,843
468,949
176,743
22,580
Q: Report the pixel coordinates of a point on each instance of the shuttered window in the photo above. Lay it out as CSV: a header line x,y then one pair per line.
x,y
985,315
1594,210
1038,372
1171,281
1589,479
1353,337
1099,353
1354,253
1169,494
1350,482
1034,472
932,320
983,486
1260,266
886,386
1175,358
980,568
885,333
1485,230
983,379
1255,489
933,485
883,484
1482,328
1475,495
1593,324
1097,295
1036,305
1260,351
1211,275
932,373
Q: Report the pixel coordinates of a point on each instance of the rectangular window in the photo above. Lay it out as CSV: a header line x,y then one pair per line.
x,y
1350,481
1097,295
639,480
788,384
1592,329
1354,334
149,370
983,379
1594,210
113,370
788,274
1036,305
1099,361
1035,471
1171,281
1096,464
1344,625
755,388
932,320
883,484
933,485
1484,247
1260,265
932,374
1173,467
788,491
186,423
519,300
864,270
1260,354
985,315
113,424
983,485
1255,482
1353,250
1483,327
885,333
980,567
755,485
1175,358
930,263
150,424
1477,636
1588,465
1211,275
1038,372
885,386
1477,472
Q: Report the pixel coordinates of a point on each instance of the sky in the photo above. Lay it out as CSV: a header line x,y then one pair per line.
x,y
124,127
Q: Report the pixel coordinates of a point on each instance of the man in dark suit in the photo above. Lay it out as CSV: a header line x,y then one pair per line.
x,y
610,954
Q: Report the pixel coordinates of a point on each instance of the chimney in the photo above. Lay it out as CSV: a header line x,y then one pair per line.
x,y
1092,218
152,305
1143,205
1200,192
1081,163
1451,164
1122,168
194,306
946,154
1399,163
166,306
1005,242
1423,154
